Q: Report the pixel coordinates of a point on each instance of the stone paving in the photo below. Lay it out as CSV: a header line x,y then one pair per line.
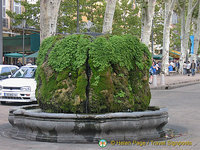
x,y
183,105
175,81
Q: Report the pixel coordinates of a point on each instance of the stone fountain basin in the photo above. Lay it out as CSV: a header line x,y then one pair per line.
x,y
31,123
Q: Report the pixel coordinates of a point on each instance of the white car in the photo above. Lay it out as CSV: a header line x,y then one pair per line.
x,y
6,70
20,87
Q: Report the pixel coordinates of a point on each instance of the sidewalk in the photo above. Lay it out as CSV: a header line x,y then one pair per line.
x,y
175,81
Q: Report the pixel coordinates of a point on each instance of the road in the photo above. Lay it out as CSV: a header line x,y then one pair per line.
x,y
184,125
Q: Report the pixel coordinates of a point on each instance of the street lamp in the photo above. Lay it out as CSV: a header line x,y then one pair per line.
x,y
152,38
23,26
1,36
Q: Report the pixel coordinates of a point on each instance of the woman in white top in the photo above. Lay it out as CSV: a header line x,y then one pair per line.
x,y
188,68
184,68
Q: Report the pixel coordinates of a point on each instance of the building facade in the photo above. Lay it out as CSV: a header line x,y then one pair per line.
x,y
13,35
10,5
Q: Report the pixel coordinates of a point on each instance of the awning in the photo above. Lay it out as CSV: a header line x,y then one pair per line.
x,y
15,55
159,57
34,55
15,44
175,54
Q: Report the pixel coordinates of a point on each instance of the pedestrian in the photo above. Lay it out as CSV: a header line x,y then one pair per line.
x,y
193,66
188,68
158,65
19,64
198,66
177,66
150,75
29,62
154,66
152,71
173,65
170,68
184,68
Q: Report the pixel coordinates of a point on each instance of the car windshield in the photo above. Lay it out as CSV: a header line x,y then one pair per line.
x,y
25,72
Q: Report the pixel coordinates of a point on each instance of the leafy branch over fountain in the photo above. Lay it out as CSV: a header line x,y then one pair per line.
x,y
83,74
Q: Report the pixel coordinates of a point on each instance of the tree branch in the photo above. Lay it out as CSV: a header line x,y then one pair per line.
x,y
172,5
171,9
179,6
194,7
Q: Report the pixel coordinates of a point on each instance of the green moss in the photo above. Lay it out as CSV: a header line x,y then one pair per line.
x,y
101,90
81,84
63,75
117,79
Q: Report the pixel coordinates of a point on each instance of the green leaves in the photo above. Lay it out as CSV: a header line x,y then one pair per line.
x,y
124,50
46,45
121,94
70,52
126,19
90,10
31,14
100,53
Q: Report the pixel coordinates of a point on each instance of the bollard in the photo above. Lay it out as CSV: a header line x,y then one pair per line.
x,y
162,81
154,80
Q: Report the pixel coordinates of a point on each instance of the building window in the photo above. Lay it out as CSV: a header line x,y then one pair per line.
x,y
17,7
4,9
32,1
5,20
174,18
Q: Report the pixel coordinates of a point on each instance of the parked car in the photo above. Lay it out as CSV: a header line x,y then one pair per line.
x,y
20,87
6,70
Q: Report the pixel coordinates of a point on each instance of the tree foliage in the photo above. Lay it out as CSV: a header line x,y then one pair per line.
x,y
31,14
175,40
126,19
91,10
158,22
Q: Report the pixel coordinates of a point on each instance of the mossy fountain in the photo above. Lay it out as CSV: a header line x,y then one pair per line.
x,y
89,89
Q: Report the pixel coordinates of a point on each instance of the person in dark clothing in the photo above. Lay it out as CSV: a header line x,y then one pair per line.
x,y
193,66
19,64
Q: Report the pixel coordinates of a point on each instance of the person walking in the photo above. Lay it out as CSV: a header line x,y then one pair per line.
x,y
152,71
184,68
193,66
177,66
188,68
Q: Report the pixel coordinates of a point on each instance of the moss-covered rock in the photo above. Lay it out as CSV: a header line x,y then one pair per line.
x,y
80,74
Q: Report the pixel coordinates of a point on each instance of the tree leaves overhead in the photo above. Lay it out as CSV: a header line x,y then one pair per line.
x,y
126,19
91,10
31,15
158,22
